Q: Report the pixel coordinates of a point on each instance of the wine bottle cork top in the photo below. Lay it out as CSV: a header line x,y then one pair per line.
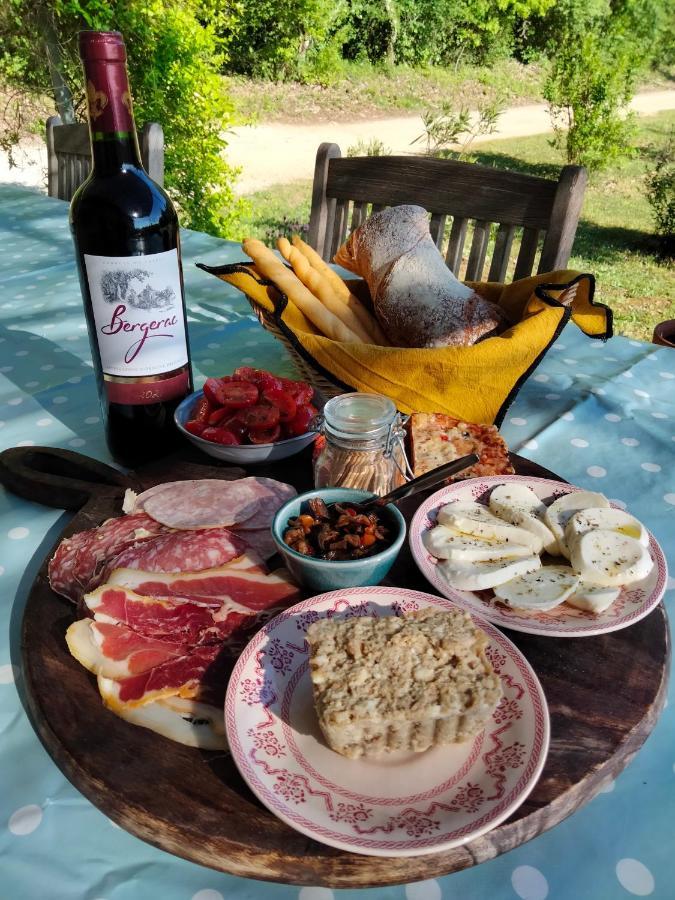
x,y
102,45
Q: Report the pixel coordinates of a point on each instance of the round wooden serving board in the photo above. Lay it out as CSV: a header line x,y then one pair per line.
x,y
604,693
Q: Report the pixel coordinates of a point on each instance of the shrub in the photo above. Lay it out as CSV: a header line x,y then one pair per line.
x,y
174,61
373,147
660,183
449,132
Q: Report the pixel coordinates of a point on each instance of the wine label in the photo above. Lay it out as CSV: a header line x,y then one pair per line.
x,y
138,313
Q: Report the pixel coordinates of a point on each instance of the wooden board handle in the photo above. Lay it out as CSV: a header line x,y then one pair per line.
x,y
59,478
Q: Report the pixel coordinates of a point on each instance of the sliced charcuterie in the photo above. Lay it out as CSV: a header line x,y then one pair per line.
x,y
188,551
78,564
272,495
209,503
115,651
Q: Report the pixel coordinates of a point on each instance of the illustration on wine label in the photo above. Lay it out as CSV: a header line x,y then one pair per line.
x,y
137,309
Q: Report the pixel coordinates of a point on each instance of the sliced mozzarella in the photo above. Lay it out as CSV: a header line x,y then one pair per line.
x,y
607,519
519,505
476,519
593,597
609,558
561,511
540,590
448,543
477,576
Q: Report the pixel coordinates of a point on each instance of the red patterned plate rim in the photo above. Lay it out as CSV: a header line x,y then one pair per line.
x,y
573,624
250,692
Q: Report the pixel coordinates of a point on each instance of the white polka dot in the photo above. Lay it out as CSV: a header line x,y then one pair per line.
x,y
650,467
630,442
207,894
635,343
43,423
75,380
77,442
32,384
596,471
561,346
570,362
607,786
15,401
568,416
579,442
620,504
26,444
46,368
639,393
627,374
60,400
610,358
518,421
91,420
531,444
16,534
542,378
25,820
215,346
669,498
529,883
2,570
316,893
247,359
8,673
612,417
21,353
35,337
666,375
553,396
599,392
423,890
5,369
635,877
670,584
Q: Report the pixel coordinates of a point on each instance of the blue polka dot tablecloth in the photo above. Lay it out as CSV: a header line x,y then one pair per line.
x,y
600,415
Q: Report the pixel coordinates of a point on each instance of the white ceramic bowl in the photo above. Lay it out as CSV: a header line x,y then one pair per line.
x,y
242,454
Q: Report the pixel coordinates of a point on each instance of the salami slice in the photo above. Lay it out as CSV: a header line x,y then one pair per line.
x,y
208,503
187,551
260,541
80,561
272,495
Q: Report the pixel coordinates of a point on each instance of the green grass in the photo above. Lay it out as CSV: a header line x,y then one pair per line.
x,y
614,240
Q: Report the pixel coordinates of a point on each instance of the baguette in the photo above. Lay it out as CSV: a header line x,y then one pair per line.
x,y
319,285
271,267
367,320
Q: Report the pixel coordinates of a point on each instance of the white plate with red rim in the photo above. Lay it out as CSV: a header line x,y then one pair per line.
x,y
404,804
633,603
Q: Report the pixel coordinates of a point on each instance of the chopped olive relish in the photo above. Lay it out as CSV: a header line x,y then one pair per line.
x,y
336,532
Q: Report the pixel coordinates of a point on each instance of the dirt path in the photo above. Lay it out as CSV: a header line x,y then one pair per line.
x,y
279,153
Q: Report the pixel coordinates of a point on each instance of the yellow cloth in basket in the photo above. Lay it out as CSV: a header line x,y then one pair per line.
x,y
477,383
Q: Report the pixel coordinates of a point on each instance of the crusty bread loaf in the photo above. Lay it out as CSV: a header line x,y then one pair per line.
x,y
401,683
417,299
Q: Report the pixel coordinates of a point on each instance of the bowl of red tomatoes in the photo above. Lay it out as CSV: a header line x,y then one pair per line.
x,y
250,416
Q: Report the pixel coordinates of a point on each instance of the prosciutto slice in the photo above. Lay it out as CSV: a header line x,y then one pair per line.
x,y
118,652
241,590
79,562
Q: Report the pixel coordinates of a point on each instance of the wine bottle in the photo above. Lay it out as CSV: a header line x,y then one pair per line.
x,y
127,245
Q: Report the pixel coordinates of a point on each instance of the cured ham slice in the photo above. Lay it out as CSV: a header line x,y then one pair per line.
x,y
79,562
190,551
200,674
241,590
187,722
115,651
167,618
208,503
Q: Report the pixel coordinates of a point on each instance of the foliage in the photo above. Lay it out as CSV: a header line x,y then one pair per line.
x,y
660,181
373,147
174,60
448,126
597,51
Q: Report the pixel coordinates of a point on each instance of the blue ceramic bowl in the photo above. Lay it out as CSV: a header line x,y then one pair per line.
x,y
321,575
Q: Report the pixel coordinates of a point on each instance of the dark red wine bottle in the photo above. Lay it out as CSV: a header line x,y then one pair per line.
x,y
127,244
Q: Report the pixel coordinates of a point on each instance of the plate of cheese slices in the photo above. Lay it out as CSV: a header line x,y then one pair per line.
x,y
538,555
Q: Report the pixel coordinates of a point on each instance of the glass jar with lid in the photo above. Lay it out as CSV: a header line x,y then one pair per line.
x,y
363,444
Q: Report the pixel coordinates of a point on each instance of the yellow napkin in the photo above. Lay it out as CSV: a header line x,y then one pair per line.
x,y
477,383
